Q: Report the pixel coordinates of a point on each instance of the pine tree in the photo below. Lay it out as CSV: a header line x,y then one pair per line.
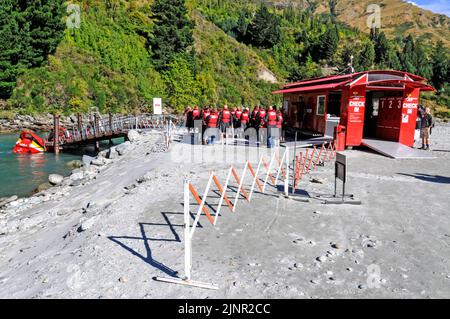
x,y
327,45
366,57
441,66
407,57
30,30
172,33
264,31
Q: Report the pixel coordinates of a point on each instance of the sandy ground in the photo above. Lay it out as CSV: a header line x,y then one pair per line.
x,y
110,237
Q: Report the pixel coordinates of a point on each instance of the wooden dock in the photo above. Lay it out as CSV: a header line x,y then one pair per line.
x,y
96,128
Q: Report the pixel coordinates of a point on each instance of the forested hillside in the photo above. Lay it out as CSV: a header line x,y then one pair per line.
x,y
187,52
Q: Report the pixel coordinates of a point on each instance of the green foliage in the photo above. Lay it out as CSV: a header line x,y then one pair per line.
x,y
264,30
366,58
327,44
30,31
172,31
182,87
440,66
128,52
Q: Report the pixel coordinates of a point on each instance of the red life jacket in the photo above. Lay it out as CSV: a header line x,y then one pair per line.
x,y
254,113
238,114
226,116
196,113
272,118
206,113
212,120
245,117
280,120
262,114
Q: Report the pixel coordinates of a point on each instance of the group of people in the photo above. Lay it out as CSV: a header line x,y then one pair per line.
x,y
238,117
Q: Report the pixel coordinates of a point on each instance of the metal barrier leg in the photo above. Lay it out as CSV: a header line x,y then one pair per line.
x,y
187,251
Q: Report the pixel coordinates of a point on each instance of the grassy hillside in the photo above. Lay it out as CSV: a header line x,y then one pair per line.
x,y
106,65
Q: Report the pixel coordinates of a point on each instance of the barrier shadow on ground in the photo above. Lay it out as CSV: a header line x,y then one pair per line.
x,y
149,258
298,192
429,178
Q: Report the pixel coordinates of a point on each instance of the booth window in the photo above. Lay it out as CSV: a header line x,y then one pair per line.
x,y
320,105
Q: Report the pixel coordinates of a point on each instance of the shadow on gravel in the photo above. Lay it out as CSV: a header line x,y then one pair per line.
x,y
149,258
429,178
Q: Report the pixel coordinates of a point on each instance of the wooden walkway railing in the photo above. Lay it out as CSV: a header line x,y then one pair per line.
x,y
94,128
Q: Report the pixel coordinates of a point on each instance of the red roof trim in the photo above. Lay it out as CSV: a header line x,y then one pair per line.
x,y
313,88
352,77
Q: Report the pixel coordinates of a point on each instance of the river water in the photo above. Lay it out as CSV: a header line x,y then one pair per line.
x,y
21,174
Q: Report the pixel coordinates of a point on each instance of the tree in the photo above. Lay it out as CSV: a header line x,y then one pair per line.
x,y
407,57
366,57
327,45
264,31
172,33
30,30
182,87
440,65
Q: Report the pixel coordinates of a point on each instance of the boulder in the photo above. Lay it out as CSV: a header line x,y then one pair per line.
x,y
74,164
98,161
55,179
77,176
112,153
133,136
4,201
42,187
87,160
123,148
103,154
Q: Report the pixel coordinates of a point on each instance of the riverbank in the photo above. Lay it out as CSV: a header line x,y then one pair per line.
x,y
108,235
14,123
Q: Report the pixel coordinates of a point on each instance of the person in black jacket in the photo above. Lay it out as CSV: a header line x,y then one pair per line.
x,y
426,122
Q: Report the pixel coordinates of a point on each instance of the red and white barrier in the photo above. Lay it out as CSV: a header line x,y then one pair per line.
x,y
189,189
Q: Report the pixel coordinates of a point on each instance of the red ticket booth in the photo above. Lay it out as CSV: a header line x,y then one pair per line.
x,y
373,104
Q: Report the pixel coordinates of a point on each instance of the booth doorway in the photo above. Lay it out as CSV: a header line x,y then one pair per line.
x,y
372,111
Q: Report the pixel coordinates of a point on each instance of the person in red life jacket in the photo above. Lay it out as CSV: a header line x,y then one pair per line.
x,y
261,117
211,123
237,117
245,119
225,119
213,119
205,113
189,117
280,124
271,118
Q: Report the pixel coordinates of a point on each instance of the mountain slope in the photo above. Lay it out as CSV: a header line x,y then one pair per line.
x,y
398,17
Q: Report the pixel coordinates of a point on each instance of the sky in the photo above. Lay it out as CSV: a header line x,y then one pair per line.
x,y
437,6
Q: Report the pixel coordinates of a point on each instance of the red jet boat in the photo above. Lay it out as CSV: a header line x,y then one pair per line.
x,y
29,142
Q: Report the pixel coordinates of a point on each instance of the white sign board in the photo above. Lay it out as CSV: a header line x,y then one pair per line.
x,y
157,106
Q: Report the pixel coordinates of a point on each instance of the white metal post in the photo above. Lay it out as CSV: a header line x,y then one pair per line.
x,y
255,179
186,281
286,180
222,196
268,172
187,233
240,187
